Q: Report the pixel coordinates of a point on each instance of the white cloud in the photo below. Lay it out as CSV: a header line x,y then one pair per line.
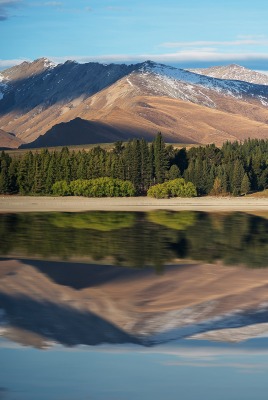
x,y
11,63
242,42
262,71
5,5
251,36
114,8
190,57
235,365
53,4
194,55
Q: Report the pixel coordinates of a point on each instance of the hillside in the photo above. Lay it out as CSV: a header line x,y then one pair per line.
x,y
9,140
44,104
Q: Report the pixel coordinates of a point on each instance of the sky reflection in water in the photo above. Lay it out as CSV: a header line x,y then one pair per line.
x,y
131,374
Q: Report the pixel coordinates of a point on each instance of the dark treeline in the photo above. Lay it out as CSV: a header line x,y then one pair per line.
x,y
137,239
236,168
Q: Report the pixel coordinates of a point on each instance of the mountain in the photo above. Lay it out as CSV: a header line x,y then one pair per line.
x,y
44,104
233,72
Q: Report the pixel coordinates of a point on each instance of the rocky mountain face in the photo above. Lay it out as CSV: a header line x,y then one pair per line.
x,y
44,104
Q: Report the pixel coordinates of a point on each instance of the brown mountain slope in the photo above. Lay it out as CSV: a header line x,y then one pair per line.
x,y
129,109
9,140
120,102
26,69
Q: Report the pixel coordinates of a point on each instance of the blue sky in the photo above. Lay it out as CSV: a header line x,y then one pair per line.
x,y
191,33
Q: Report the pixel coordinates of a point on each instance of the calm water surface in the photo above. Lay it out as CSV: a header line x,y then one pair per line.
x,y
126,306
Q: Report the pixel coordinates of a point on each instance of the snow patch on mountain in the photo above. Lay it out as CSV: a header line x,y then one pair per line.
x,y
234,72
263,100
49,64
3,86
129,82
188,85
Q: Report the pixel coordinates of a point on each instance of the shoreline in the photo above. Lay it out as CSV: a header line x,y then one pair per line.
x,y
16,204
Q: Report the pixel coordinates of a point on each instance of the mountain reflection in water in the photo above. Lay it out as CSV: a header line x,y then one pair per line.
x,y
69,278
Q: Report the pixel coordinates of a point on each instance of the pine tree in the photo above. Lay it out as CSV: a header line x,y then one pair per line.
x,y
238,174
173,172
51,174
161,161
96,163
4,181
81,165
145,166
127,156
38,181
181,160
217,187
118,148
108,165
134,163
26,173
12,176
151,164
64,164
199,178
189,174
222,174
44,165
245,184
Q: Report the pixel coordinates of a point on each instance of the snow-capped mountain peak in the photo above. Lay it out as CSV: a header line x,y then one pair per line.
x,y
154,95
234,72
46,62
232,81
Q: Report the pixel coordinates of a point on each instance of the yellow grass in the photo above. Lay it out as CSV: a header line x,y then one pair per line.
x,y
263,193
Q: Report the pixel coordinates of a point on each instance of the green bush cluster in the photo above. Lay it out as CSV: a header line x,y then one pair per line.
x,y
100,187
174,188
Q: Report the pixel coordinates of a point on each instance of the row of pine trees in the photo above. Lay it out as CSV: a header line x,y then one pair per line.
x,y
236,168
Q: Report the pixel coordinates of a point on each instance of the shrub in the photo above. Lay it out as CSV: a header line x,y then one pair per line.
x,y
61,188
100,187
175,188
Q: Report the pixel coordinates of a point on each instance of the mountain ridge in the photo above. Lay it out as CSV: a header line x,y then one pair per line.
x,y
146,97
233,71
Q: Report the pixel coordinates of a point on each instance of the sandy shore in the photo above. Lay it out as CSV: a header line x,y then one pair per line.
x,y
13,204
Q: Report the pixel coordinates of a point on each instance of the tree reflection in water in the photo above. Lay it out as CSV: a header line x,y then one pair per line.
x,y
137,239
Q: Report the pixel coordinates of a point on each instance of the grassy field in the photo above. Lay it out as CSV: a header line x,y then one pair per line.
x,y
260,195
263,193
86,147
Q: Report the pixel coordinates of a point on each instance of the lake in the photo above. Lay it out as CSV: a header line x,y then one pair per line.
x,y
126,306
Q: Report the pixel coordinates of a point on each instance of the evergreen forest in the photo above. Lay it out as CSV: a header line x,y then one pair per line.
x,y
235,168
